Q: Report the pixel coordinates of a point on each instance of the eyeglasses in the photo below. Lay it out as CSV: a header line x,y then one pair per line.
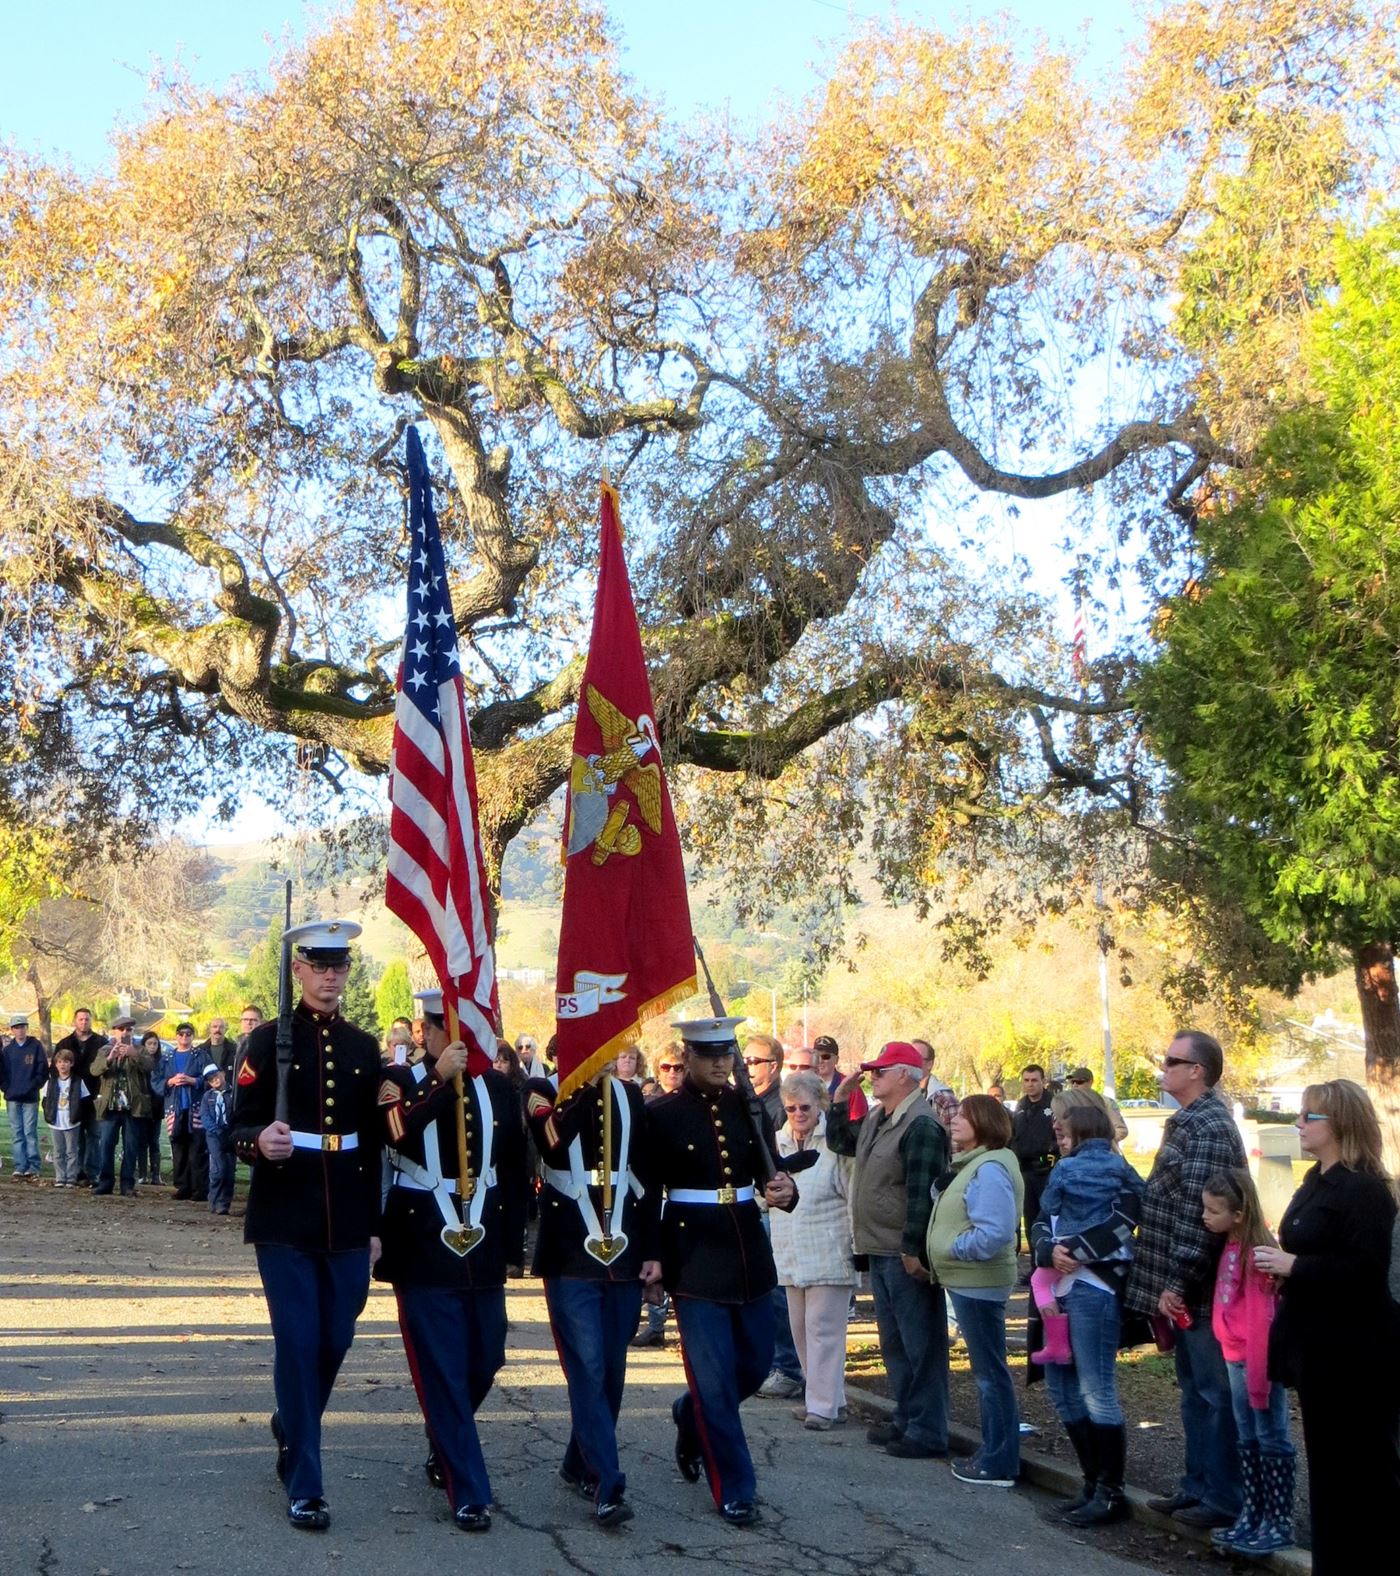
x,y
1179,1061
759,1061
790,1108
327,968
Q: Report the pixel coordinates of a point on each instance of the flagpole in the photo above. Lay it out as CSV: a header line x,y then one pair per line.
x,y
607,1161
464,1165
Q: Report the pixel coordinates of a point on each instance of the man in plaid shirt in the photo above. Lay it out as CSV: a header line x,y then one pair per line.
x,y
899,1148
1173,1275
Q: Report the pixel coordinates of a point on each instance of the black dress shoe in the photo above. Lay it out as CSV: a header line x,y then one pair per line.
x,y
432,1467
910,1450
882,1433
612,1512
473,1518
311,1515
585,1488
688,1457
739,1512
275,1424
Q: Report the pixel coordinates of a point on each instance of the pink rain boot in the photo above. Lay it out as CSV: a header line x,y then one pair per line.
x,y
1056,1348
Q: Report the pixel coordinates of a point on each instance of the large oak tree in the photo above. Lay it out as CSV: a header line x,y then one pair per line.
x,y
820,356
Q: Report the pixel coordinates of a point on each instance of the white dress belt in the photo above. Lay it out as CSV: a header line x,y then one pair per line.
x,y
709,1195
331,1141
402,1179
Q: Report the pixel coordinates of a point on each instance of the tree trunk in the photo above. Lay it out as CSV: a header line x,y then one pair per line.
x,y
43,1002
1380,1021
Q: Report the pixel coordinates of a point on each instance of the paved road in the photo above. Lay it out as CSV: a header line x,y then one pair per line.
x,y
135,1383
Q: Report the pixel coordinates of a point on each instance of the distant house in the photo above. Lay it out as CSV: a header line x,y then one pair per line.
x,y
1309,1053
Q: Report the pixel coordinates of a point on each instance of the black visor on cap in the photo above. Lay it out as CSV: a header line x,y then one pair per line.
x,y
324,954
712,1048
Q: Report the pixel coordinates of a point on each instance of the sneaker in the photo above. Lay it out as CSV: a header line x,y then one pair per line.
x,y
1169,1504
819,1424
649,1337
967,1471
778,1387
1202,1516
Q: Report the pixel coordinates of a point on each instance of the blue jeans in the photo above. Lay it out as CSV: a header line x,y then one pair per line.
x,y
983,1326
1207,1417
912,1318
221,1170
24,1136
1090,1388
125,1126
1270,1428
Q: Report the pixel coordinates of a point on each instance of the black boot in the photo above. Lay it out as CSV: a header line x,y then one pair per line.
x,y
1108,1503
1081,1436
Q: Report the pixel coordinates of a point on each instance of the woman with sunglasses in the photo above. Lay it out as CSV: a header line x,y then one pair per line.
x,y
1333,1338
812,1252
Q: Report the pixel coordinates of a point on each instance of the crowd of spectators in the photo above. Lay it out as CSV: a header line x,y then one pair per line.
x,y
928,1198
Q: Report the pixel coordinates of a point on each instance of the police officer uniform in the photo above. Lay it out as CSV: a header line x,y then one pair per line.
x,y
445,1250
311,1216
717,1265
590,1259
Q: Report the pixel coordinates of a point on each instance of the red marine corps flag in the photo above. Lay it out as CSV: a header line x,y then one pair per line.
x,y
437,873
625,946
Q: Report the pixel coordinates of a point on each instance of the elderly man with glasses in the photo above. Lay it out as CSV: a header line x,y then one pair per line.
x,y
899,1148
1173,1275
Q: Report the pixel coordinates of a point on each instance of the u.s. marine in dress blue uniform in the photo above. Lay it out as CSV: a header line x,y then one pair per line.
x,y
313,1202
715,1260
592,1262
445,1252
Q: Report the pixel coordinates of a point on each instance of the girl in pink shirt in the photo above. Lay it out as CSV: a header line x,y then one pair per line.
x,y
1241,1315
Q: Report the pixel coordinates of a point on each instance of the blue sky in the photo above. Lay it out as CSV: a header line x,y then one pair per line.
x,y
71,68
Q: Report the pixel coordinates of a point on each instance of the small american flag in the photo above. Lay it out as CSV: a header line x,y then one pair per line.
x,y
1079,658
437,872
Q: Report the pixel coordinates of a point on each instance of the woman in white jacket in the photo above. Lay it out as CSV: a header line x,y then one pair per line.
x,y
812,1251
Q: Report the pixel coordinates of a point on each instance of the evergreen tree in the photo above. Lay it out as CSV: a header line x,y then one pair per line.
x,y
357,1004
393,996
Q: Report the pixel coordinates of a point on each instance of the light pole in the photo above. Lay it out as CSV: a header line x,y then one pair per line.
x,y
1102,907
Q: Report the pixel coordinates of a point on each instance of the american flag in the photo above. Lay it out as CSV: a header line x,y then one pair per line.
x,y
437,872
1079,657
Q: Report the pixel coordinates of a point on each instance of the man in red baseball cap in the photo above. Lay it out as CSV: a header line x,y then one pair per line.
x,y
899,1148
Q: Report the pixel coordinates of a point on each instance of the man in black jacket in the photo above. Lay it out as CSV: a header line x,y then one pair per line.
x,y
448,1228
85,1044
1033,1140
715,1259
313,1201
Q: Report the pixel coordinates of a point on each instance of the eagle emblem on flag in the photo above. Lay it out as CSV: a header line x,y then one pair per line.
x,y
598,817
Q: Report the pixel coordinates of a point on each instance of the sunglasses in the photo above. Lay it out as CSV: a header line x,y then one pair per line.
x,y
758,1061
791,1108
1180,1061
670,1067
1315,1116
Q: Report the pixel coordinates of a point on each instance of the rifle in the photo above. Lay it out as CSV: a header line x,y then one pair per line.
x,y
802,1158
284,1013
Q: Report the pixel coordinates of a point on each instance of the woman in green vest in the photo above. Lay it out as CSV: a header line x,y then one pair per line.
x,y
971,1248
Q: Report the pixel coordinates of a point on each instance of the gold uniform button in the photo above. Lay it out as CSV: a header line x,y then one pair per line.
x,y
728,1171
329,1120
330,1099
330,1083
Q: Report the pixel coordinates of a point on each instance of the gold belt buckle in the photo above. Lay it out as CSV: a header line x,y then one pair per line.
x,y
595,1176
469,1188
727,1195
330,1141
